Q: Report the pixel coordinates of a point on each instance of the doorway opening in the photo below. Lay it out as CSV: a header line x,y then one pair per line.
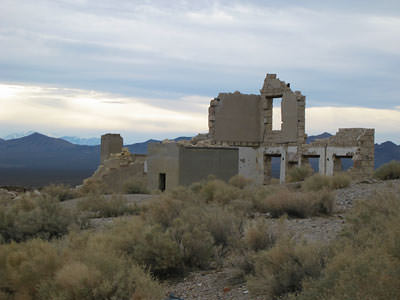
x,y
162,181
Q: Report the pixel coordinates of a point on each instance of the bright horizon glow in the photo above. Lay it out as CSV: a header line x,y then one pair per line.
x,y
65,112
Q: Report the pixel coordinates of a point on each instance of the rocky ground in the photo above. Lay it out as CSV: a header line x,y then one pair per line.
x,y
216,284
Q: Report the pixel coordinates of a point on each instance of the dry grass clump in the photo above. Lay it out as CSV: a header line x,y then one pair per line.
x,y
300,173
103,207
60,191
91,186
319,182
299,204
316,182
135,186
388,171
340,180
239,181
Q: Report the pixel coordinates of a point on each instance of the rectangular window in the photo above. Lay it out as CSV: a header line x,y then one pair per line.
x,y
277,114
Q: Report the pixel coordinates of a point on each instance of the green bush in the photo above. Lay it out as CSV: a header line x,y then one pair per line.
x,y
299,173
60,191
135,186
106,207
388,171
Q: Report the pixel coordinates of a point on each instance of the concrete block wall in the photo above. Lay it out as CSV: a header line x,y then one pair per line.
x,y
110,143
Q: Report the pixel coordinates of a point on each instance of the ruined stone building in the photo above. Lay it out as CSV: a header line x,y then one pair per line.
x,y
241,140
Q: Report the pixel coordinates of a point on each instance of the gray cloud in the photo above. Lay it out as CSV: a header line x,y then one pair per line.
x,y
337,53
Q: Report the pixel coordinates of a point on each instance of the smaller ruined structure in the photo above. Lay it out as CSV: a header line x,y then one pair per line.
x,y
174,164
117,168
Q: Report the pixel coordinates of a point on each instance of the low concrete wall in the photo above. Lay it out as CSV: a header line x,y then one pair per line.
x,y
197,163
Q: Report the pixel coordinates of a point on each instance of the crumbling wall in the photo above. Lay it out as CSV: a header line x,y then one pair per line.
x,y
292,111
118,170
246,120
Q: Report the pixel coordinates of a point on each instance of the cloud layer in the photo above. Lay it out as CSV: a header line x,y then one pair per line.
x,y
339,53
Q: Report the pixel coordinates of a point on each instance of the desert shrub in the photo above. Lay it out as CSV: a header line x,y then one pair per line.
x,y
35,216
340,180
135,186
388,171
239,181
299,204
60,191
23,266
164,210
224,226
281,269
258,195
38,269
219,191
258,236
300,173
106,207
316,182
196,243
147,244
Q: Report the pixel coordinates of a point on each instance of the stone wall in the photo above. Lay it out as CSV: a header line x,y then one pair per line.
x,y
235,117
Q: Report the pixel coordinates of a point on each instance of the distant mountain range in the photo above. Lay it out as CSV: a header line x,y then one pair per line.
x,y
82,141
72,139
37,160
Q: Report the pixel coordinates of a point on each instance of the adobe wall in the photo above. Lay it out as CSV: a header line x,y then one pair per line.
x,y
235,117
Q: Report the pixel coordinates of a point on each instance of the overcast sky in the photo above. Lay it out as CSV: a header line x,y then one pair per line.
x,y
148,69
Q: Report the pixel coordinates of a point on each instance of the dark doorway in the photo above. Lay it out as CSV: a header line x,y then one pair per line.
x,y
161,182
